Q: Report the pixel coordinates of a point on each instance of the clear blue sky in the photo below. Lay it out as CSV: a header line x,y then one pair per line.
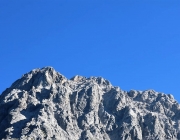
x,y
133,44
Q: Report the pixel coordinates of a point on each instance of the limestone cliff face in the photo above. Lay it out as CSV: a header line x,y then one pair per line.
x,y
44,104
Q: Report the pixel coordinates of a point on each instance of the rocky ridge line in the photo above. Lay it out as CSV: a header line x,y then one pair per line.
x,y
44,104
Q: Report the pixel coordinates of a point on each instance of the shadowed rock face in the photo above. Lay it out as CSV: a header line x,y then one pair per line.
x,y
44,104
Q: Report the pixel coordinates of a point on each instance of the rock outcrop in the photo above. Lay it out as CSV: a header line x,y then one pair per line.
x,y
44,104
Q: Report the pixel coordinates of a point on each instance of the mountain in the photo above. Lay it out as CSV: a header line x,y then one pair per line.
x,y
44,104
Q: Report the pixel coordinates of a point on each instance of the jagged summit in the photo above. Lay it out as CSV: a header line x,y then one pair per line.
x,y
38,77
78,78
43,104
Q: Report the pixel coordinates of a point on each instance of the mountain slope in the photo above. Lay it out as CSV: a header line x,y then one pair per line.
x,y
44,104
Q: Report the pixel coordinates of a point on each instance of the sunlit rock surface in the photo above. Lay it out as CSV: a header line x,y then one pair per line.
x,y
44,104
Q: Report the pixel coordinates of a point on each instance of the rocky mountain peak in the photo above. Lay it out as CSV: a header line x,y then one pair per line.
x,y
78,78
38,78
43,104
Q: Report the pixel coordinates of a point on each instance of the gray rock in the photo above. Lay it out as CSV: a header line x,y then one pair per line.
x,y
44,104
